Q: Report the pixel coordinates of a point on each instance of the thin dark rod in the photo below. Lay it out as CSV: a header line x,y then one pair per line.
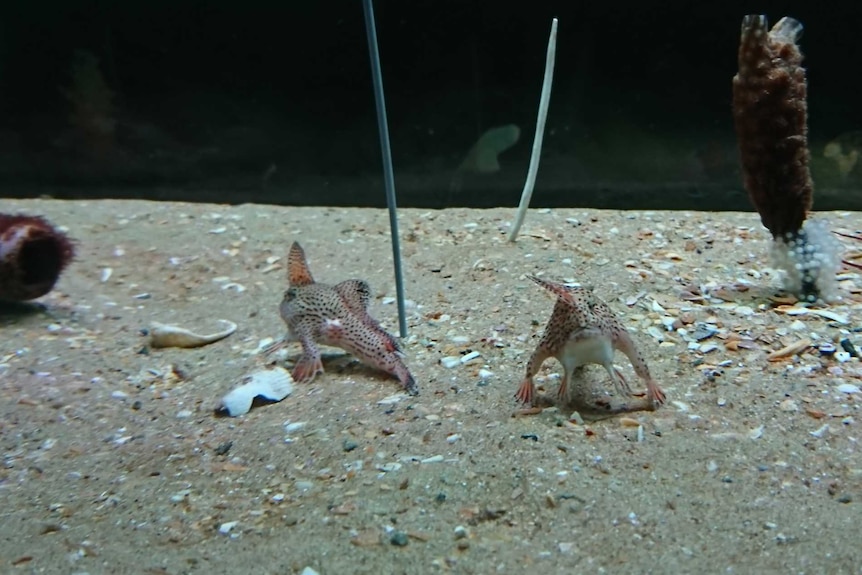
x,y
386,152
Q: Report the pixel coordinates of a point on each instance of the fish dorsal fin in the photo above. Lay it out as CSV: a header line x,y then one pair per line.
x,y
355,294
298,273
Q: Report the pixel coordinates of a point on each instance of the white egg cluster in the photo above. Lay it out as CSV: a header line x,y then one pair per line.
x,y
810,260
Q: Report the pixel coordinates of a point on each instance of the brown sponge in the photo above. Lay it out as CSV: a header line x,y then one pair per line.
x,y
770,113
33,253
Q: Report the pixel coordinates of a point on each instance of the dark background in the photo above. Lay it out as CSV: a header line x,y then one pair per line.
x,y
272,102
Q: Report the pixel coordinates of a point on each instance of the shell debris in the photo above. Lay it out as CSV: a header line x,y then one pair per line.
x,y
166,335
789,350
270,384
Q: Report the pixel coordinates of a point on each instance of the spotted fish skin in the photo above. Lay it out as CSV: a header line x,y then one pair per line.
x,y
336,315
583,329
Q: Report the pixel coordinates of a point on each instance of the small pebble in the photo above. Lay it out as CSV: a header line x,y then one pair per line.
x,y
450,361
703,331
461,532
453,438
398,538
223,448
291,427
226,528
826,349
788,405
820,431
184,414
848,346
349,445
848,388
180,495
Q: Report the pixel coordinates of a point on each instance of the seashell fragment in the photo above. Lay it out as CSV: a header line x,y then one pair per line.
x,y
165,335
270,384
790,350
828,314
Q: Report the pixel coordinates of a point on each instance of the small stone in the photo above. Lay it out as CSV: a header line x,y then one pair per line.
x,y
826,349
788,405
349,445
708,347
461,532
179,496
398,538
184,414
820,431
848,388
450,361
703,331
848,346
227,527
291,427
223,448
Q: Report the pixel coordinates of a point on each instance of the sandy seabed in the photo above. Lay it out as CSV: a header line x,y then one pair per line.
x,y
114,462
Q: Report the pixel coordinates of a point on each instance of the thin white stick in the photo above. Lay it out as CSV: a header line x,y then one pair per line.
x,y
540,133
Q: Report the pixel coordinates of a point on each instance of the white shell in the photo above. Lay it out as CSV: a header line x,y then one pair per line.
x,y
271,384
164,335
